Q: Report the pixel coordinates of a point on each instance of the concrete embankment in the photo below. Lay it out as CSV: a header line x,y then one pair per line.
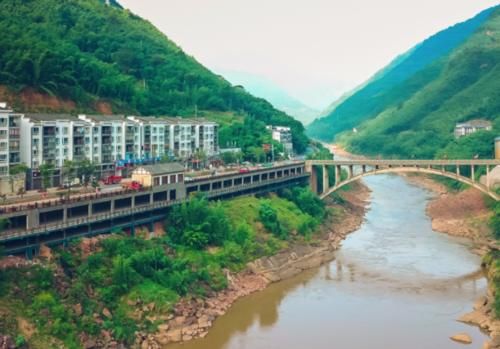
x,y
192,318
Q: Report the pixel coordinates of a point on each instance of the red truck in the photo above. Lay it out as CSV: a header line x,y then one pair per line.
x,y
112,179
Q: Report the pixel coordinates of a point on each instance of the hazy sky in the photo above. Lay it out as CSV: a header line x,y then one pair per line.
x,y
314,49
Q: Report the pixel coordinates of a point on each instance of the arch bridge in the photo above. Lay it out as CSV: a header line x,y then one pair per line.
x,y
357,169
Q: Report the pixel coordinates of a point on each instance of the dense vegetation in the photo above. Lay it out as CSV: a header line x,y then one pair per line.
x,y
87,52
411,110
88,292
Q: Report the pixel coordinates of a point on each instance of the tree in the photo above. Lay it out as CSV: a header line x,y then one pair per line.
x,y
85,171
228,157
269,218
46,171
69,172
124,275
14,172
21,191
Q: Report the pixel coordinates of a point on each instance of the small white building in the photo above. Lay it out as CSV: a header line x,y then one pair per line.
x,y
283,135
471,126
159,174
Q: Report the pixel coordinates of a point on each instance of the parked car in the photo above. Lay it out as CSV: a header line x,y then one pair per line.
x,y
133,185
112,179
244,170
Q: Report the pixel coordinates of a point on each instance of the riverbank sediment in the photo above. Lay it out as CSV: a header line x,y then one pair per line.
x,y
192,318
465,214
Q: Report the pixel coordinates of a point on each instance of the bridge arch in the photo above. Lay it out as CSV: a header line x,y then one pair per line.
x,y
369,167
432,171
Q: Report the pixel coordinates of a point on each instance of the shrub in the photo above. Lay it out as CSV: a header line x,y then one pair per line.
x,y
269,218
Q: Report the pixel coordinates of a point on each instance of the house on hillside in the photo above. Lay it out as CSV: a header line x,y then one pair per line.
x,y
471,126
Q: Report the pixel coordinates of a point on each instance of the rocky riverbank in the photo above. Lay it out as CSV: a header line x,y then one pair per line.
x,y
462,214
465,214
192,318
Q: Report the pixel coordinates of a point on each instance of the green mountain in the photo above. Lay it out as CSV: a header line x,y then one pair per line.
x,y
92,55
411,107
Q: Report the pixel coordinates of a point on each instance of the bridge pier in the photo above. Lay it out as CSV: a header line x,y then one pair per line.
x,y
313,178
458,170
472,174
488,177
351,171
338,172
326,184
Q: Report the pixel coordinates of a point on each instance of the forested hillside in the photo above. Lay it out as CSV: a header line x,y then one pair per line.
x,y
411,109
86,55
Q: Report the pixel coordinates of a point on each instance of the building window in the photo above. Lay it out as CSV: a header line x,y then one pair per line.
x,y
164,180
156,181
173,179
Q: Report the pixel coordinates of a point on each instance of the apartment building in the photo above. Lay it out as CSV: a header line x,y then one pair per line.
x,y
154,136
9,139
206,136
283,135
53,138
179,137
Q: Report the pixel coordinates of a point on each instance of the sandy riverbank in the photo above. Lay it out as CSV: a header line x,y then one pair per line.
x,y
192,318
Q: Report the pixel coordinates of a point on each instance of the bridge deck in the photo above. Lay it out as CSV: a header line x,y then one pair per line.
x,y
371,162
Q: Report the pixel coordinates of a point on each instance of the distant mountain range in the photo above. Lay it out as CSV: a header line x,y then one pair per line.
x,y
410,107
264,88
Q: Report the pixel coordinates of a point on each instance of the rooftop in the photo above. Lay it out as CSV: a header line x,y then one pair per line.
x,y
159,169
475,123
98,118
50,117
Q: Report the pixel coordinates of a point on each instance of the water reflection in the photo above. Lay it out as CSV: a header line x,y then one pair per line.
x,y
395,283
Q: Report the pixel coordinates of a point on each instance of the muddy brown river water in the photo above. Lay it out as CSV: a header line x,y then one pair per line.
x,y
394,284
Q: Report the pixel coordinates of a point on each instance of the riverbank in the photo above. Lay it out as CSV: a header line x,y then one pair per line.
x,y
465,214
192,318
461,214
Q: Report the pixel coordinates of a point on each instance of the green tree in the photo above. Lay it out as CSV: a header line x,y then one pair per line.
x,y
269,218
124,276
46,171
85,170
15,172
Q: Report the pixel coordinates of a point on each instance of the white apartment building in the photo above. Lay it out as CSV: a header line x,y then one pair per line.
x,y
207,136
54,138
114,138
180,137
283,135
9,139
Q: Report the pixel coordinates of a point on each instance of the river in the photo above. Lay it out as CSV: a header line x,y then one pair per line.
x,y
394,284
